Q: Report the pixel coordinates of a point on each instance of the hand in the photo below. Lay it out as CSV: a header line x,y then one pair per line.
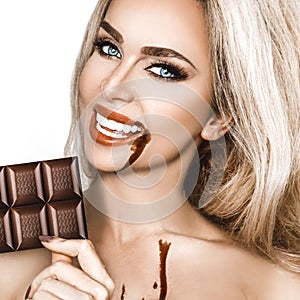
x,y
62,280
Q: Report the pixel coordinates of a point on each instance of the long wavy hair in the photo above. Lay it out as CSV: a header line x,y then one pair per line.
x,y
254,55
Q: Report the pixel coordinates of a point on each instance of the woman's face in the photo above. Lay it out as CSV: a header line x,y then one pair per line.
x,y
164,42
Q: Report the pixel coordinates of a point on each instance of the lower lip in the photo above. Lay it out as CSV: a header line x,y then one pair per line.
x,y
106,140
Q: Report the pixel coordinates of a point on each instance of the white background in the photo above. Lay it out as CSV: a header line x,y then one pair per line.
x,y
40,41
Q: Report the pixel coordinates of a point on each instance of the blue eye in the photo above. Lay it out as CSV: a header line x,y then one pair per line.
x,y
111,50
162,71
106,48
167,71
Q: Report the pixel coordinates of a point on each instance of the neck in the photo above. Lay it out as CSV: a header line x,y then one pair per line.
x,y
138,197
126,210
185,220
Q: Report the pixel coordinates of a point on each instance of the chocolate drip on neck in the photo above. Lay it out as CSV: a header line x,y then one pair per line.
x,y
163,249
123,292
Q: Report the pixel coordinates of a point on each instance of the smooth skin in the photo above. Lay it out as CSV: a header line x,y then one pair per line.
x,y
203,263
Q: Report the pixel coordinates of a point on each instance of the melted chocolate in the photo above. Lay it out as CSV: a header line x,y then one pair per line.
x,y
138,146
163,253
163,249
123,292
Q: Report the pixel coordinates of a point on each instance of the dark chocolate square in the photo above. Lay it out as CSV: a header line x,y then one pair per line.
x,y
66,219
28,223
3,195
61,179
24,184
6,244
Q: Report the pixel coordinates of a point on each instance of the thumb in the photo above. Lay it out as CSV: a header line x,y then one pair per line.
x,y
55,255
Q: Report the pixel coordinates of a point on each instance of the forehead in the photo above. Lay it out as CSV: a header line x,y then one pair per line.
x,y
158,21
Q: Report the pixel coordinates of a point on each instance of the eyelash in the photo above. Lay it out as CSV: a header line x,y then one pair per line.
x,y
178,73
101,42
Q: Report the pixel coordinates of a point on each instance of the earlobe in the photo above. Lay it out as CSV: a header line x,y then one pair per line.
x,y
215,128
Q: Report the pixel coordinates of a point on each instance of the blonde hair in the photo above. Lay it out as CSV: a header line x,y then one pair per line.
x,y
254,49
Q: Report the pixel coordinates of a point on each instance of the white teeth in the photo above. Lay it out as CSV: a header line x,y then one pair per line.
x,y
111,124
108,133
115,126
119,126
127,128
100,119
134,128
105,123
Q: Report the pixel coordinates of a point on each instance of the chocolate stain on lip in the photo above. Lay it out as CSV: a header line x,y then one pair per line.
x,y
163,249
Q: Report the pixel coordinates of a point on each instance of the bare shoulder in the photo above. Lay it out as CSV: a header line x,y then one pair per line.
x,y
262,279
281,285
18,270
206,269
221,269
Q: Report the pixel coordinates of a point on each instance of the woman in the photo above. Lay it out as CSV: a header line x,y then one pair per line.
x,y
242,59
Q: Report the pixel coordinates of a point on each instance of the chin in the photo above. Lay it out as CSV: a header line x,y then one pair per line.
x,y
105,158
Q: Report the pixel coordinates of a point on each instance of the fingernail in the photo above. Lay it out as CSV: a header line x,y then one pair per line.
x,y
27,292
46,238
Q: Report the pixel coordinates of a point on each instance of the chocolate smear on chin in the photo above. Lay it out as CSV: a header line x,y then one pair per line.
x,y
137,147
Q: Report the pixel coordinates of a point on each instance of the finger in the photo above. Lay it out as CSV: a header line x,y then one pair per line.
x,y
87,257
42,295
71,275
57,256
63,290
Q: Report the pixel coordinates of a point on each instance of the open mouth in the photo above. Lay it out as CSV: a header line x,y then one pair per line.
x,y
108,127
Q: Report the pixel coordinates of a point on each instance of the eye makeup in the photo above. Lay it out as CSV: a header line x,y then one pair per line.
x,y
112,50
158,68
167,71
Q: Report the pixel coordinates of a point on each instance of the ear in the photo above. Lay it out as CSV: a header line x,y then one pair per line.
x,y
215,128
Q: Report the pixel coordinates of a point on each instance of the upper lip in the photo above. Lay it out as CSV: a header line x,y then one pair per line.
x,y
113,115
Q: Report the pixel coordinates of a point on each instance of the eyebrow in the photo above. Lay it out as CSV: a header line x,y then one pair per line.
x,y
148,50
112,31
164,52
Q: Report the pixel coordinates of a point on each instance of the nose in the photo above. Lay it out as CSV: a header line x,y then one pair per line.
x,y
119,85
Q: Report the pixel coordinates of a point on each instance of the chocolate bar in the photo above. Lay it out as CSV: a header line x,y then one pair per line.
x,y
40,198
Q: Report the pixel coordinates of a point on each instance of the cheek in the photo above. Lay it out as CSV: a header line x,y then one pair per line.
x,y
168,113
91,79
